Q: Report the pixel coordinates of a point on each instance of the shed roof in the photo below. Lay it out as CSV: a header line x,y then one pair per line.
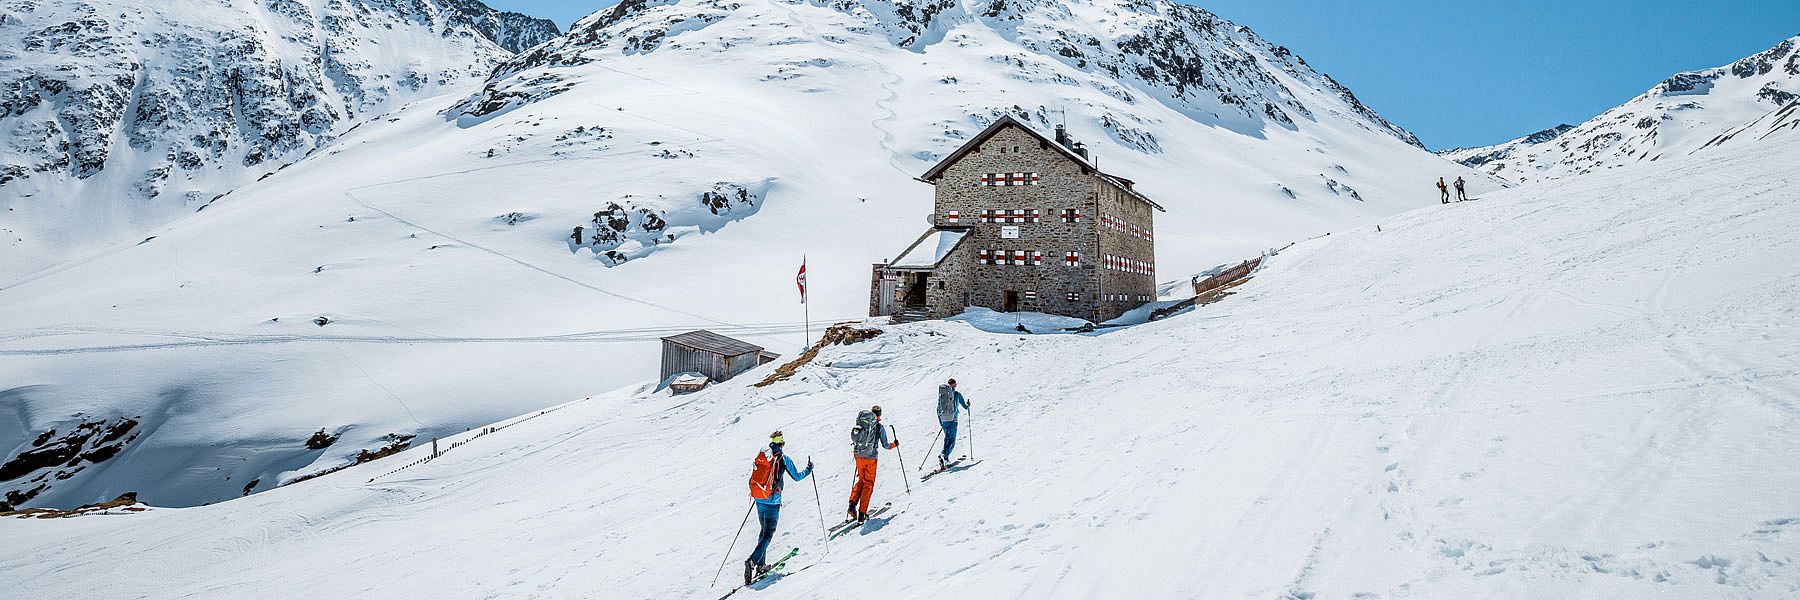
x,y
937,171
701,339
931,248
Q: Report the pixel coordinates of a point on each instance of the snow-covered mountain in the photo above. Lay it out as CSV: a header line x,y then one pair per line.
x,y
418,276
119,115
1580,389
1678,116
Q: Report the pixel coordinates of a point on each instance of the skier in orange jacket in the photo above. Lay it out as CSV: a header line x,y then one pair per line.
x,y
867,439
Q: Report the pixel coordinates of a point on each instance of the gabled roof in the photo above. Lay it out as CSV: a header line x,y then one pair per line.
x,y
937,171
701,339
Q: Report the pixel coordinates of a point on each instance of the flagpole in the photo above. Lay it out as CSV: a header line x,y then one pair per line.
x,y
805,309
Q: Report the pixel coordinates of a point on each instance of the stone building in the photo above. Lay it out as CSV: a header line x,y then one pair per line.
x,y
1024,222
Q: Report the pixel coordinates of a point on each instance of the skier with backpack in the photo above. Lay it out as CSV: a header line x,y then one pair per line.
x,y
766,480
1461,194
1443,192
867,438
948,401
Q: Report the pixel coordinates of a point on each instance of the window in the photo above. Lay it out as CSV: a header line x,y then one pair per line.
x,y
1017,215
1008,179
1010,257
1074,297
1071,215
1071,259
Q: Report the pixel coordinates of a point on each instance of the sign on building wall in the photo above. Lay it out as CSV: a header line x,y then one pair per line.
x,y
1010,232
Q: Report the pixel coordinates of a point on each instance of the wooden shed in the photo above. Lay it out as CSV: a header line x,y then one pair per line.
x,y
717,357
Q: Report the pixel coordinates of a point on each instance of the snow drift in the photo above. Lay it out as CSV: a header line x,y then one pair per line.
x,y
1577,389
422,274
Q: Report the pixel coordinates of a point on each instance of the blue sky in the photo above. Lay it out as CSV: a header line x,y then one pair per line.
x,y
1466,73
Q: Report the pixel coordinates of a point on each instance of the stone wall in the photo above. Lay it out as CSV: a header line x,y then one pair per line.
x,y
1128,236
1060,184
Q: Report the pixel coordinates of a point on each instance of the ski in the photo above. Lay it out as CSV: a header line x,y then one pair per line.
x,y
849,526
849,522
956,464
773,569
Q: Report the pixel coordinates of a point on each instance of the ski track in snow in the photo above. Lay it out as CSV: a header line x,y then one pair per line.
x,y
438,240
1591,395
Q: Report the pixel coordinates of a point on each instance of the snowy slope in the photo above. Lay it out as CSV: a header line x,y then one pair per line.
x,y
704,148
1576,389
120,115
1680,115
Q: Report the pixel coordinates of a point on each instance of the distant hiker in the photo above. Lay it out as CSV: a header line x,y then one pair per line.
x,y
1461,194
948,400
867,438
1443,192
765,487
577,235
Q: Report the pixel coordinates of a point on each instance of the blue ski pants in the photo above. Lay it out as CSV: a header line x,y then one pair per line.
x,y
766,515
949,437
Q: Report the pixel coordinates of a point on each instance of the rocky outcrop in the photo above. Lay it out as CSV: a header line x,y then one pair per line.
x,y
138,111
1189,57
1682,114
55,456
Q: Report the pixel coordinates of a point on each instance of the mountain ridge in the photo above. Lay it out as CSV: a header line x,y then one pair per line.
x,y
1678,115
124,114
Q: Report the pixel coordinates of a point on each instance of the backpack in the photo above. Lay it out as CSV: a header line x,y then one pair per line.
x,y
946,403
765,476
866,435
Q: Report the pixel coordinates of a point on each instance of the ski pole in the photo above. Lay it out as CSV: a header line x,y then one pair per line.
x,y
971,435
826,542
903,477
934,439
734,539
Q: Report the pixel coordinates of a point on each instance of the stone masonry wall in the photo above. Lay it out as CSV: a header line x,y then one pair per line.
x,y
1128,236
1061,184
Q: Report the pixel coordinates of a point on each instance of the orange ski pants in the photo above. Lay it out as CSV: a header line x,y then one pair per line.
x,y
865,484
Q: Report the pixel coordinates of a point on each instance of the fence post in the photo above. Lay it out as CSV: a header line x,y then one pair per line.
x,y
434,450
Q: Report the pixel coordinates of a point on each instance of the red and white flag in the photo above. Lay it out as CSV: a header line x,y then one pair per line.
x,y
801,280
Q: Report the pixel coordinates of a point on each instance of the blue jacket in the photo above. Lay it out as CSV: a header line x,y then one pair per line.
x,y
775,498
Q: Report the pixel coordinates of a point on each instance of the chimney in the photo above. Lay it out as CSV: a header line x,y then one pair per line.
x,y
1079,149
1062,135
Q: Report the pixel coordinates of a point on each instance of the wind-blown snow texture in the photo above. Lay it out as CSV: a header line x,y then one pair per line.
x,y
1683,114
1577,389
119,115
703,148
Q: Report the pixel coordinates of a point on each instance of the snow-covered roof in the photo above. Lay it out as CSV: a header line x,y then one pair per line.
x,y
930,249
931,176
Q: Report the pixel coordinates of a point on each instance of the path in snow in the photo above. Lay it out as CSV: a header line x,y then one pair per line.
x,y
1584,389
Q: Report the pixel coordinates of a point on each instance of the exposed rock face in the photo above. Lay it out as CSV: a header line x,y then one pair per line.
x,y
55,456
1682,114
513,31
120,114
1198,61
